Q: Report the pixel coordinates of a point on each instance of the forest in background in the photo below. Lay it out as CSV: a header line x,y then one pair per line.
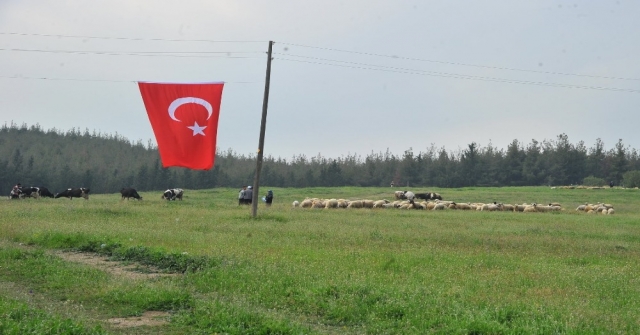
x,y
105,163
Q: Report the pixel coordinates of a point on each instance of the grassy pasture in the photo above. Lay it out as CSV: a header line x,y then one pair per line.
x,y
356,271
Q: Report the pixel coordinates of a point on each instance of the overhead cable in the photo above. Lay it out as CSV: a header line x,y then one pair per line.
x,y
108,80
129,38
468,77
189,54
457,63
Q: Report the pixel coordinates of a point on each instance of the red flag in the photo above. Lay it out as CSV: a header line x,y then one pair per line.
x,y
184,118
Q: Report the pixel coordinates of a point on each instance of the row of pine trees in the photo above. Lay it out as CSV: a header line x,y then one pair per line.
x,y
107,162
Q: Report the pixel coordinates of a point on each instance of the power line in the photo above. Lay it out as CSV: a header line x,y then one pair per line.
x,y
189,54
399,69
129,38
457,63
468,77
107,80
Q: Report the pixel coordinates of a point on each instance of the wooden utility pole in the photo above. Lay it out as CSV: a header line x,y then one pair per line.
x,y
263,125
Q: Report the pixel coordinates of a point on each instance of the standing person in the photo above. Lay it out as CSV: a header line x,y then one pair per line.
x,y
269,198
248,195
241,195
611,184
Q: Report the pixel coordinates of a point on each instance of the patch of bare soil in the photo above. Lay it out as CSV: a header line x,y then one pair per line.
x,y
149,318
130,271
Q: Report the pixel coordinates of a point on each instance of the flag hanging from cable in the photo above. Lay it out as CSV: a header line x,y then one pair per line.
x,y
184,118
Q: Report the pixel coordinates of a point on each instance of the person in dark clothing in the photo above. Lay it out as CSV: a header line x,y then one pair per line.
x,y
248,195
269,198
611,184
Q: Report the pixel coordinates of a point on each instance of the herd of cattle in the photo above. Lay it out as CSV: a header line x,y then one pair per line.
x,y
433,201
83,192
404,200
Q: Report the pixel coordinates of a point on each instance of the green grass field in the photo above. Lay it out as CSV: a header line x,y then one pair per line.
x,y
325,271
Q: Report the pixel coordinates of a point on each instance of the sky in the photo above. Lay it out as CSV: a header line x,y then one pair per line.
x,y
348,77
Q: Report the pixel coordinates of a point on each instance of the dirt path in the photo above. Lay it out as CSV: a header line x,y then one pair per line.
x,y
130,271
118,269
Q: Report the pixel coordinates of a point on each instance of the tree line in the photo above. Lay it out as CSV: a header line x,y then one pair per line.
x,y
105,163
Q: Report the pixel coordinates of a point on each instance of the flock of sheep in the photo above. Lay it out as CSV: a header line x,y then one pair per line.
x,y
409,200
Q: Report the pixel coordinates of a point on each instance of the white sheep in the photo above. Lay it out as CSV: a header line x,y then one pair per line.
x,y
380,203
355,204
331,203
367,203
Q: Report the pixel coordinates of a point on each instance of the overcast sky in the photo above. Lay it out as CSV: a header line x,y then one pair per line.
x,y
348,77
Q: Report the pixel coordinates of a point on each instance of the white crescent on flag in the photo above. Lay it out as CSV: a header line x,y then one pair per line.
x,y
188,100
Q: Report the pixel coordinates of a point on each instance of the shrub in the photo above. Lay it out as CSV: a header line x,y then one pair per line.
x,y
593,181
631,178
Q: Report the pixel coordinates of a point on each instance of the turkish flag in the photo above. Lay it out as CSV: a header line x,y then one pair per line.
x,y
184,118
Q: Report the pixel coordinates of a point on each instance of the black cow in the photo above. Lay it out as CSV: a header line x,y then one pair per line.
x,y
128,193
74,193
30,192
173,194
44,192
429,196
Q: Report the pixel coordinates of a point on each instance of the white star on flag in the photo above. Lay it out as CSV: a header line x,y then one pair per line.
x,y
197,129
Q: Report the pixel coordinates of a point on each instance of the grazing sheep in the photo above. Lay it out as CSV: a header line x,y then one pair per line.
x,y
409,195
306,203
355,204
611,211
543,209
367,203
493,207
439,206
462,206
530,208
507,207
399,195
380,203
331,203
296,203
519,208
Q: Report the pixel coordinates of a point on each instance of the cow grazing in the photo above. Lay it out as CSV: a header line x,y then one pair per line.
x,y
172,194
30,192
44,192
428,196
128,193
74,193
